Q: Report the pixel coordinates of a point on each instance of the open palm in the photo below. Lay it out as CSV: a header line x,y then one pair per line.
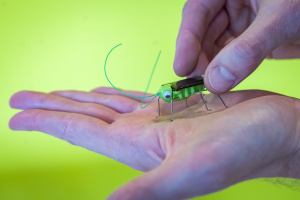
x,y
198,153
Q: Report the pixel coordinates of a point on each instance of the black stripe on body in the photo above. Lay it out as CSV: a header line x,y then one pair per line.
x,y
189,82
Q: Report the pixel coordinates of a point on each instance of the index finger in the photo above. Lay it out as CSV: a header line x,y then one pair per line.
x,y
196,16
77,129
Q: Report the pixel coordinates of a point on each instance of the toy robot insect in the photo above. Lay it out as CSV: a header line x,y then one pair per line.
x,y
182,90
170,92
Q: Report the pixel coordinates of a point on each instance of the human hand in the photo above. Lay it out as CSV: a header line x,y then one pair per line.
x,y
228,39
200,152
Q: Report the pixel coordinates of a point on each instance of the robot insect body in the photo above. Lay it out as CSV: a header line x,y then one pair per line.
x,y
170,92
182,90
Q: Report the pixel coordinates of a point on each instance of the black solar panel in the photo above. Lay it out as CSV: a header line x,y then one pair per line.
x,y
189,82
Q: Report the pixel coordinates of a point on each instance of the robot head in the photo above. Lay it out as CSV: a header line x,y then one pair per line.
x,y
165,93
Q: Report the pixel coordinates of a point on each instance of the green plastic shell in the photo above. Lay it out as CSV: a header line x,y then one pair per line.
x,y
180,94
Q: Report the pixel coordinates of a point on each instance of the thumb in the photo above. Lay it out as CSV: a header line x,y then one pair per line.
x,y
244,54
161,183
172,180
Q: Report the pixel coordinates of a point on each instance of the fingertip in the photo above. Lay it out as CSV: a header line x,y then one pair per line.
x,y
187,52
23,120
14,122
178,69
55,92
219,79
94,90
101,89
14,101
11,124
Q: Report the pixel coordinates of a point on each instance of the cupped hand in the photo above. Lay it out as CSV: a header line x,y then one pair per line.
x,y
200,152
228,39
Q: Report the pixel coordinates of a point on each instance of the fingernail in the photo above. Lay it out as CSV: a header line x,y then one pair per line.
x,y
221,79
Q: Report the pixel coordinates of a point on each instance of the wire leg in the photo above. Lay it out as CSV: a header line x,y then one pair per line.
x,y
172,109
204,101
158,108
222,101
186,103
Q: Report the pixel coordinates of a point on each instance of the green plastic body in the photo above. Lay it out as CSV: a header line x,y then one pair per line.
x,y
181,94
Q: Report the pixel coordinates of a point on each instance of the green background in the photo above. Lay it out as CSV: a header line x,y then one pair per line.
x,y
48,45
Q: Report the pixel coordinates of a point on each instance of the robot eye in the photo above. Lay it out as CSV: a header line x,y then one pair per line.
x,y
167,94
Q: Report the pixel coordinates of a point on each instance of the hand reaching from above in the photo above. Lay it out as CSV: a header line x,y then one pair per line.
x,y
228,39
200,152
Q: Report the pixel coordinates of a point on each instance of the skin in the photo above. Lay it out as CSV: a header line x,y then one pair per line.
x,y
200,152
227,39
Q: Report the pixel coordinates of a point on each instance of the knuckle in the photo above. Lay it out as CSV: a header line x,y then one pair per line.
x,y
293,15
287,18
65,135
249,51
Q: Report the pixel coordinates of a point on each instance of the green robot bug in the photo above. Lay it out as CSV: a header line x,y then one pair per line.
x,y
182,90
170,92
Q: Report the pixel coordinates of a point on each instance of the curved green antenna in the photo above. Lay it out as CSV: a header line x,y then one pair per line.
x,y
143,97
